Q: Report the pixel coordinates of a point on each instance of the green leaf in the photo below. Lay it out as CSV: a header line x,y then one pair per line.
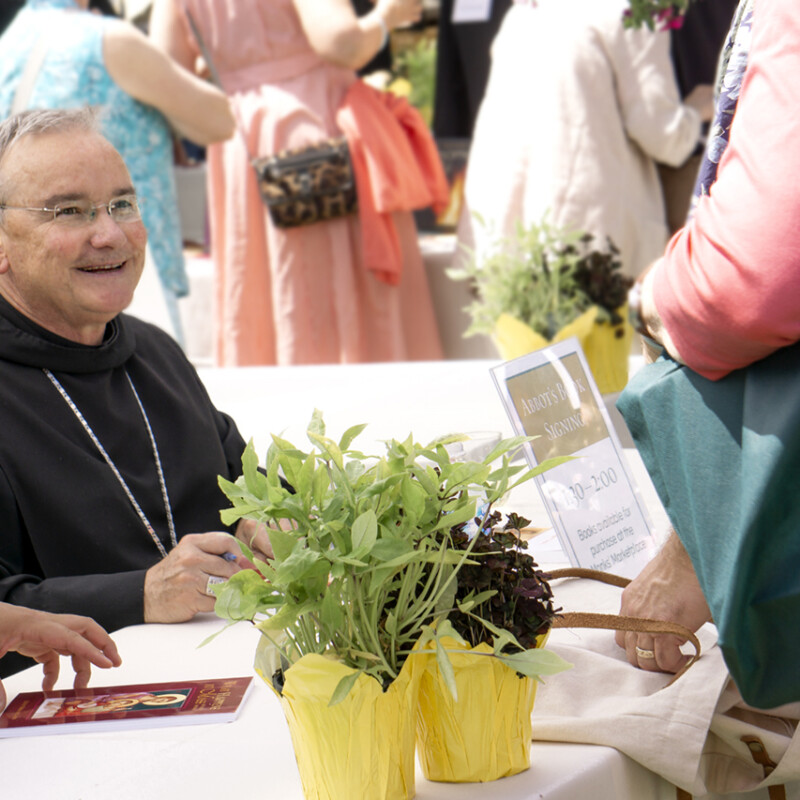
x,y
343,687
457,516
243,596
364,533
232,490
382,485
230,515
329,448
283,542
445,629
319,486
429,480
349,435
448,597
504,446
299,565
535,662
413,498
386,549
331,612
305,477
353,562
214,635
354,470
256,482
316,425
471,600
502,638
446,669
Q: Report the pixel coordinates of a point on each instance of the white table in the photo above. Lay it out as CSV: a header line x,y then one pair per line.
x,y
252,758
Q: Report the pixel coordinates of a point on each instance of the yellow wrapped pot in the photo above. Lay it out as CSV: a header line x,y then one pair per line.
x,y
606,347
486,733
363,747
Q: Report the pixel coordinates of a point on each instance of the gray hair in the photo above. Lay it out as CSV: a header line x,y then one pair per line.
x,y
38,121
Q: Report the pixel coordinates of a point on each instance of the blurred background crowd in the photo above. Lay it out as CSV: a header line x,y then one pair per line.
x,y
546,115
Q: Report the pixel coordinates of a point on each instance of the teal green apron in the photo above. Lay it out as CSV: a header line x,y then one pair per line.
x,y
724,457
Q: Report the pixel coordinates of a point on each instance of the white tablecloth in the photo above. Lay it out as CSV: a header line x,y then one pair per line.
x,y
252,758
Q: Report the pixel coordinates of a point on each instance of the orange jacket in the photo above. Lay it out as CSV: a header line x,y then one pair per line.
x,y
396,165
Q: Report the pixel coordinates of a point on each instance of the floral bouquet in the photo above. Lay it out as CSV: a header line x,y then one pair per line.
x,y
656,14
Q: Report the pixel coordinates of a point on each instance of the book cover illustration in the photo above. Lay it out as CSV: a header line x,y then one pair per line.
x,y
131,706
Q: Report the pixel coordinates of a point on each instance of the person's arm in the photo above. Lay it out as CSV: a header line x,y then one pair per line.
x,y
338,35
198,110
726,289
44,637
114,600
168,32
666,129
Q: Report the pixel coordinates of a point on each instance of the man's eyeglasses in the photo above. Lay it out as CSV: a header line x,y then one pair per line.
x,y
76,213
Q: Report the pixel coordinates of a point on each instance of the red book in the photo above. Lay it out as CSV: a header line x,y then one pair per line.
x,y
108,708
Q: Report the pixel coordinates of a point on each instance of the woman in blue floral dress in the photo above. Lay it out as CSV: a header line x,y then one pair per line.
x,y
105,62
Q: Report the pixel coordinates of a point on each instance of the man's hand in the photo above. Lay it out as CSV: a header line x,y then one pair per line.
x,y
176,588
255,536
44,637
666,589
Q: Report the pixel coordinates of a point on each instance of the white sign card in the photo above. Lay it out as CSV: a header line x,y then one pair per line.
x,y
593,502
471,11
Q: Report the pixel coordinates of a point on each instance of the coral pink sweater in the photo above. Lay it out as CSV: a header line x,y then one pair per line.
x,y
728,287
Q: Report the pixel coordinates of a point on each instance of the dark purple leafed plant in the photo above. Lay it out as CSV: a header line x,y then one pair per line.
x,y
521,600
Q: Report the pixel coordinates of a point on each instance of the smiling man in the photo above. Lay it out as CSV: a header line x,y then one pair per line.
x,y
111,448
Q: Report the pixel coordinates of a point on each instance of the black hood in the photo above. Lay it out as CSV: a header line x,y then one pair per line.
x,y
22,341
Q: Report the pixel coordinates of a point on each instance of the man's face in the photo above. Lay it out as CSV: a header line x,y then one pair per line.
x,y
69,279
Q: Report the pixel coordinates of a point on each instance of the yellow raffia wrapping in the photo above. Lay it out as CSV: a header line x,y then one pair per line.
x,y
363,747
607,347
486,733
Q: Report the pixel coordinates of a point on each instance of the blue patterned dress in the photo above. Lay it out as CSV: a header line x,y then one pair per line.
x,y
74,74
733,62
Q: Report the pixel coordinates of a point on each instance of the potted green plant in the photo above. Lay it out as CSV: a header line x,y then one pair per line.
x,y
503,604
363,573
545,284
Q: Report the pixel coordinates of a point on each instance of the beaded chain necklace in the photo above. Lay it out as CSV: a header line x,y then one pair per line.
x,y
136,507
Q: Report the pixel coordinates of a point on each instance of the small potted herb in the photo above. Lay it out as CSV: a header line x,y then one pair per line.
x,y
364,573
504,606
545,284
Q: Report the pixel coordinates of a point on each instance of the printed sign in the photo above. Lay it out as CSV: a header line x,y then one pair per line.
x,y
593,502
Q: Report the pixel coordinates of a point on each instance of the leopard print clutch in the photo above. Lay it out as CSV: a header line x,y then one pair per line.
x,y
307,185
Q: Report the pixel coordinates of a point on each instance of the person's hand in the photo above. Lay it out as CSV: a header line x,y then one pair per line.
x,y
255,536
176,588
666,589
44,637
399,12
701,99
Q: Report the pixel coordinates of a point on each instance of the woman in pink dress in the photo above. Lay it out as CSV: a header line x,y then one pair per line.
x,y
299,295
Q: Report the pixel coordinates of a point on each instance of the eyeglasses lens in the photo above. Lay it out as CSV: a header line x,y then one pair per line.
x,y
77,213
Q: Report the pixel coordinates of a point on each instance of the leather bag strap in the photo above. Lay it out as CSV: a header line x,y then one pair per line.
x,y
620,622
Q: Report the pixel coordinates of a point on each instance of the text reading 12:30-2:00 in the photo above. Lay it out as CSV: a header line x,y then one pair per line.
x,y
596,483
